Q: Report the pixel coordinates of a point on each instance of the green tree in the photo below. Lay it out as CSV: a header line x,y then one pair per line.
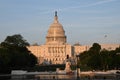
x,y
95,48
116,58
105,59
84,60
98,59
14,54
4,60
15,40
91,58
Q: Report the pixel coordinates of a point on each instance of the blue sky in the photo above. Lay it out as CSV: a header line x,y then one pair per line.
x,y
85,21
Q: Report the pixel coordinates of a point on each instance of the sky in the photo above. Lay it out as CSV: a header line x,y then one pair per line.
x,y
84,21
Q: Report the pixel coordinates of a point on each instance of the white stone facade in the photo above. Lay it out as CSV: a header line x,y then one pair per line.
x,y
56,49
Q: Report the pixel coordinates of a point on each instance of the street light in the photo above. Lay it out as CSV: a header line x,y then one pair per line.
x,y
78,78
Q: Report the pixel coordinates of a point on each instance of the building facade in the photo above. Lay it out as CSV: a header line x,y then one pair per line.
x,y
56,49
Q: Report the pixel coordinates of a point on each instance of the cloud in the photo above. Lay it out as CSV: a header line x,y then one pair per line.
x,y
99,3
80,6
88,5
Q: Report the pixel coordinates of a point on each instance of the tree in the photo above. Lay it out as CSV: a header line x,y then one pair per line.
x,y
84,60
91,58
116,59
4,60
14,54
98,59
95,47
105,59
15,40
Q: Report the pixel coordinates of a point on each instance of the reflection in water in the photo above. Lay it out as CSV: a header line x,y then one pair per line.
x,y
58,77
43,77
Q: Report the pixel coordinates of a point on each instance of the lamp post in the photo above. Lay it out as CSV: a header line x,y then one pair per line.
x,y
78,78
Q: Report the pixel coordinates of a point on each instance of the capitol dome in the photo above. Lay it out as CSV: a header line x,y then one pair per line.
x,y
56,33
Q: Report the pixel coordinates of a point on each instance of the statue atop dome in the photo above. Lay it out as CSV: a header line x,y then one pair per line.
x,y
55,13
56,18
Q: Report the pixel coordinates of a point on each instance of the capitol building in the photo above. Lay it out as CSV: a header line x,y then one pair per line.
x,y
56,49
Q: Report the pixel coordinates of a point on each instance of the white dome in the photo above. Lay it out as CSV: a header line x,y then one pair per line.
x,y
56,32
